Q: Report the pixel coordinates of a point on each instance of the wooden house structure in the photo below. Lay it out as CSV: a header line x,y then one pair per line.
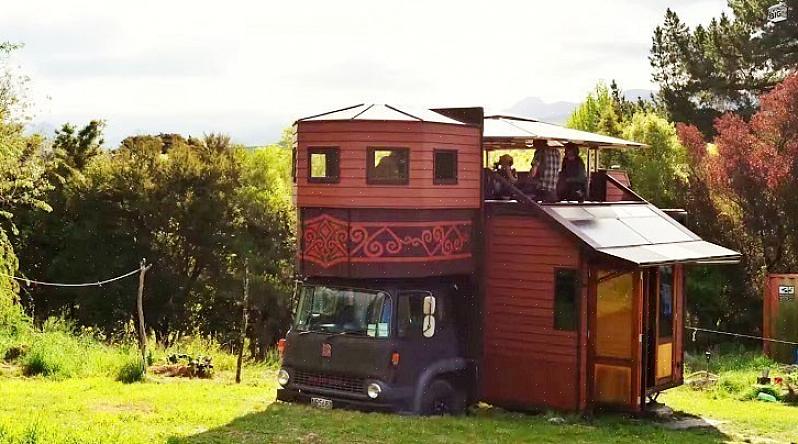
x,y
576,305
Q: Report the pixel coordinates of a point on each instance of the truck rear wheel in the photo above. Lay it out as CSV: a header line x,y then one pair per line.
x,y
441,398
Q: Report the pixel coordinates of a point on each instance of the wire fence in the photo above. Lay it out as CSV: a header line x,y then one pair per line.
x,y
28,282
739,335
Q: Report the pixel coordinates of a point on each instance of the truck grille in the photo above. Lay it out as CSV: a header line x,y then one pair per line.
x,y
314,379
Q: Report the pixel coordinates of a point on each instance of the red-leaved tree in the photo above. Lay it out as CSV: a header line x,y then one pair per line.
x,y
743,192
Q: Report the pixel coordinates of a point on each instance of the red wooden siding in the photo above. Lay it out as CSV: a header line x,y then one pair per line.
x,y
772,303
615,194
526,362
354,137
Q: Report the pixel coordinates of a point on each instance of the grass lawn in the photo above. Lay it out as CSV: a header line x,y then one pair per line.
x,y
99,409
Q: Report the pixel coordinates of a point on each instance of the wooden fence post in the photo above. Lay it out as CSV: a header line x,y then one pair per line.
x,y
139,305
244,322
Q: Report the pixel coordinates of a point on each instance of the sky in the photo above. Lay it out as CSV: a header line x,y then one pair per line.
x,y
251,68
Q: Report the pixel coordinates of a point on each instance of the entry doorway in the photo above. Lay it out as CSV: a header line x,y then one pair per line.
x,y
613,340
662,334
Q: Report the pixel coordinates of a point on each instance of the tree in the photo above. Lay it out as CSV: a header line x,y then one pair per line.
x,y
22,181
197,209
725,66
598,113
746,184
658,171
76,150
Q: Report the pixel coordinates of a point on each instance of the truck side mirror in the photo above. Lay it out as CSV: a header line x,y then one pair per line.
x,y
428,329
429,305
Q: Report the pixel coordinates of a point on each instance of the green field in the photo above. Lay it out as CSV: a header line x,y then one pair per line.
x,y
99,409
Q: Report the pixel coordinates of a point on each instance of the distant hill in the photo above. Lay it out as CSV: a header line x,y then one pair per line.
x,y
536,108
558,112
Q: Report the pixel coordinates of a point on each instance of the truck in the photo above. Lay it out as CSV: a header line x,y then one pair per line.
x,y
428,281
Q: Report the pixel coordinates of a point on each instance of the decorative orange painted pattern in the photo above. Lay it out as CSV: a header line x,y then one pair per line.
x,y
328,241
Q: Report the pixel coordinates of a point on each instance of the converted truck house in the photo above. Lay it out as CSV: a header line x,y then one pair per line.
x,y
421,294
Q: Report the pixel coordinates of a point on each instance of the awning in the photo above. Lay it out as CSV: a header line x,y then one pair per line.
x,y
637,232
502,131
682,252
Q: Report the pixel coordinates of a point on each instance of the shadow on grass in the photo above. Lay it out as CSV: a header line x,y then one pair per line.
x,y
293,423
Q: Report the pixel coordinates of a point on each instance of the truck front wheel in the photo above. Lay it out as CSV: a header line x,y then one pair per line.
x,y
441,398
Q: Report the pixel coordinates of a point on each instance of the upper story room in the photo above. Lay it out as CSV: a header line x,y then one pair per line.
x,y
385,156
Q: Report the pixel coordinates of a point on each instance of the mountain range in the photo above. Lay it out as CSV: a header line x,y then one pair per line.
x,y
558,112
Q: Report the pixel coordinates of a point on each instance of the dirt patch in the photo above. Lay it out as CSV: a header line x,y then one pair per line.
x,y
177,371
691,423
127,407
9,370
15,353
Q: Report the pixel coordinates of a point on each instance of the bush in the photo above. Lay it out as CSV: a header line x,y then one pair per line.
x,y
131,370
54,355
58,352
729,358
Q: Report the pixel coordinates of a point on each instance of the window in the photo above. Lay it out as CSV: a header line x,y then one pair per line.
x,y
445,166
344,310
388,166
323,165
566,300
410,314
665,302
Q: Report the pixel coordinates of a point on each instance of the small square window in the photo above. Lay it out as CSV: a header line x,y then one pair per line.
x,y
445,166
388,166
566,300
323,165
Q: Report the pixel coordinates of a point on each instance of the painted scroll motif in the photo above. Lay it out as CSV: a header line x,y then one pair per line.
x,y
329,241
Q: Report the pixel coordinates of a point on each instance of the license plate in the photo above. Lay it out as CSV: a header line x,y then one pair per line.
x,y
321,403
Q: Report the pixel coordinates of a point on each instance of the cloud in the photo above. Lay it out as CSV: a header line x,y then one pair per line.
x,y
251,68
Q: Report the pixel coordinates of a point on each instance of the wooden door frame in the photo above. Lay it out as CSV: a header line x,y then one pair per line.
x,y
676,338
634,363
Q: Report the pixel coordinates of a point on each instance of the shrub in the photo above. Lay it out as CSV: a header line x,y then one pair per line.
x,y
53,354
132,370
13,321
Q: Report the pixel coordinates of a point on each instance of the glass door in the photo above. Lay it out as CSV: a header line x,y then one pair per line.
x,y
665,325
614,340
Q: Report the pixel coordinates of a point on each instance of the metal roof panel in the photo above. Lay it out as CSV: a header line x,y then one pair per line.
x,y
383,112
519,128
638,233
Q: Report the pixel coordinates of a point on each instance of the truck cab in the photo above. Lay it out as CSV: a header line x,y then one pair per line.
x,y
386,346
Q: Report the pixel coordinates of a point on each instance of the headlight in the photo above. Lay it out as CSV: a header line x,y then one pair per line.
x,y
373,390
282,377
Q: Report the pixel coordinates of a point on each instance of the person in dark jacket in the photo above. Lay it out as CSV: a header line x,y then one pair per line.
x,y
573,177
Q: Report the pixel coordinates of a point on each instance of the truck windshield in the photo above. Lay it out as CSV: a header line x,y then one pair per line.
x,y
344,310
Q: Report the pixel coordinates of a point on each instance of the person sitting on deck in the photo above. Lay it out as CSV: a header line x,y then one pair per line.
x,y
504,168
545,170
573,177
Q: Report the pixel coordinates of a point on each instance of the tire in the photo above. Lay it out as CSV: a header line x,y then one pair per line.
x,y
441,398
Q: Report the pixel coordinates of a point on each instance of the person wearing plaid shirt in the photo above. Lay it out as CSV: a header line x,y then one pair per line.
x,y
545,169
